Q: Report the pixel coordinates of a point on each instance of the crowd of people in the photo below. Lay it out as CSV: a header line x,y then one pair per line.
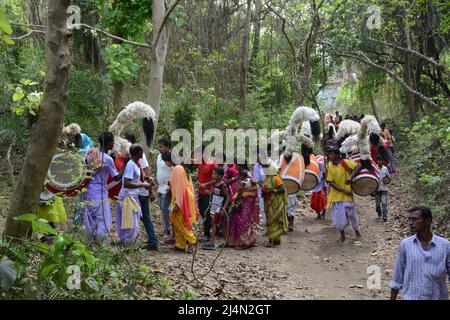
x,y
234,199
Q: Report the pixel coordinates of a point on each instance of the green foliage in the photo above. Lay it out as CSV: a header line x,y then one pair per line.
x,y
426,157
67,268
88,96
27,100
121,65
5,28
127,18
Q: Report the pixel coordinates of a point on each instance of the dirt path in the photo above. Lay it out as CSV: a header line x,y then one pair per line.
x,y
309,264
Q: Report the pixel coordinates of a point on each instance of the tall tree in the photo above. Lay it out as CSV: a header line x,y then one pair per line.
x,y
244,56
45,133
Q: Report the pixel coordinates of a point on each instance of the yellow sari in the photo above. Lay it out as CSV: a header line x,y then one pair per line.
x,y
183,196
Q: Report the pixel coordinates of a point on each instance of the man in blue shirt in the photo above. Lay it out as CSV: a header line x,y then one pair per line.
x,y
423,261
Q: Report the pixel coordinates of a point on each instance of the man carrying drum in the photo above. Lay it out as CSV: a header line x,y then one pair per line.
x,y
340,199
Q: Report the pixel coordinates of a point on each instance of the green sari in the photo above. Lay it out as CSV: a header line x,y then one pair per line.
x,y
275,208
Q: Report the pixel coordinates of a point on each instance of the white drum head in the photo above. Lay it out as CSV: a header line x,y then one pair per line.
x,y
310,181
67,170
365,185
291,186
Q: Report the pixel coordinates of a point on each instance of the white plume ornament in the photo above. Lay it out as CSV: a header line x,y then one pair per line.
x,y
72,129
306,129
347,127
135,110
349,145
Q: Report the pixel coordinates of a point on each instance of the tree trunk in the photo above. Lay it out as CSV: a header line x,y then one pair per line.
x,y
374,107
310,43
244,57
407,74
45,133
118,87
256,34
157,60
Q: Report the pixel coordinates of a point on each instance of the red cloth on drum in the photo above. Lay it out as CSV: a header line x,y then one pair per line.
x,y
113,193
318,201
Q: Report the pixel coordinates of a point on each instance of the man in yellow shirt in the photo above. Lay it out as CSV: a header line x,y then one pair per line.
x,y
340,198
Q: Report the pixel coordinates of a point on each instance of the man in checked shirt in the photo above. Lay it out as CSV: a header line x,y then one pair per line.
x,y
423,261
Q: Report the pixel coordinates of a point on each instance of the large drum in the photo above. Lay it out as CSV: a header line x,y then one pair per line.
x,y
312,174
292,173
365,182
67,174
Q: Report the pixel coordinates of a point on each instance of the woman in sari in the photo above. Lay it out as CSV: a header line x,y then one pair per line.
x,y
185,211
275,201
244,214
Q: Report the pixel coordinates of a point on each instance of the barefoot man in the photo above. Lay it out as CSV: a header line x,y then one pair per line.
x,y
340,199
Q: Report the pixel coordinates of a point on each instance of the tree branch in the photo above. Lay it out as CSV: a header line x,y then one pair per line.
x,y
416,53
283,29
367,61
161,27
138,44
28,34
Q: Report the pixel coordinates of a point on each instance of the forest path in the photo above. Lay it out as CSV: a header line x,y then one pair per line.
x,y
309,264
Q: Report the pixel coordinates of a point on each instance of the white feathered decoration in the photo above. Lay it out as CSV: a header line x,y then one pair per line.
x,y
302,114
306,129
347,127
349,146
135,110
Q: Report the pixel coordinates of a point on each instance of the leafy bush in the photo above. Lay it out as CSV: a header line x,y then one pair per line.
x,y
67,268
426,155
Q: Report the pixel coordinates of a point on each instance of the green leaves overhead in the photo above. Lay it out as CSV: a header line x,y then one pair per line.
x,y
5,28
128,18
121,63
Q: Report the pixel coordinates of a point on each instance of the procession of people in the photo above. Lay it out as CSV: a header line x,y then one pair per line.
x,y
209,197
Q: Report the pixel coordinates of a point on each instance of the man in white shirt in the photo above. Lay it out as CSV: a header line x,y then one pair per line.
x,y
128,208
143,196
163,176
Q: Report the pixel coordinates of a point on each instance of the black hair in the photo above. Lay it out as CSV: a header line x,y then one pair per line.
x,y
384,154
382,126
330,133
130,137
288,158
165,141
105,137
306,153
335,151
367,164
425,212
78,139
167,156
315,130
135,149
374,139
219,171
149,130
340,118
